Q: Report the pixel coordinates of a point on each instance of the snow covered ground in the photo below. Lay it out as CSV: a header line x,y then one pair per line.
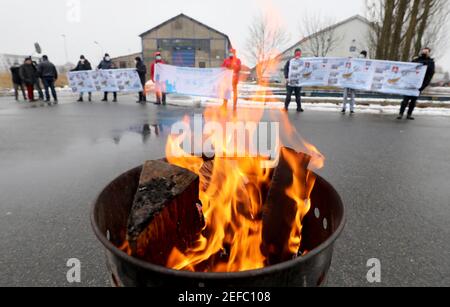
x,y
313,104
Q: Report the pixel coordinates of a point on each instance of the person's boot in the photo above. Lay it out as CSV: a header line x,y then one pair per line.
x,y
80,99
105,98
344,111
90,97
300,110
400,117
410,117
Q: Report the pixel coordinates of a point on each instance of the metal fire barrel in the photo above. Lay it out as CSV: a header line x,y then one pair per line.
x,y
321,228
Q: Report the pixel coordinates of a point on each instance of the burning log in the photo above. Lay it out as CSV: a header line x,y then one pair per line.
x,y
206,173
165,213
280,210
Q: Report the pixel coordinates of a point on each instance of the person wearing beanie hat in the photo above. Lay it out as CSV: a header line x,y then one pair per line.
x,y
142,72
106,63
83,65
410,102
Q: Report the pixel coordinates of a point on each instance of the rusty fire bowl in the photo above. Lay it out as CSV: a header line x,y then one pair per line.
x,y
321,228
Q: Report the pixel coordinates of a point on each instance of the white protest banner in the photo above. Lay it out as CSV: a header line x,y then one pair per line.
x,y
81,82
398,78
114,80
204,82
338,67
128,80
358,74
309,72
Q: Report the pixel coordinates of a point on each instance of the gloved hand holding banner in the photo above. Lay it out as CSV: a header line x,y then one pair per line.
x,y
204,82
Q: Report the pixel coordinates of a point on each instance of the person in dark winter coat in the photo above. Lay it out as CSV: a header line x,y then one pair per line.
x,y
233,63
17,81
48,73
411,101
37,84
142,72
28,75
83,65
106,63
290,88
160,96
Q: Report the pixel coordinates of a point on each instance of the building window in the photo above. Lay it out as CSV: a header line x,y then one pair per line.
x,y
202,64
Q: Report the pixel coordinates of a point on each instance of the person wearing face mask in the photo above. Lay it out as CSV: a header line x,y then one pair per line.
x,y
233,63
106,63
160,96
348,92
83,65
411,101
290,87
142,72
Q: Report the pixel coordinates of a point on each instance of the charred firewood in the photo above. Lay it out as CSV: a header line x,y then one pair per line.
x,y
280,210
165,213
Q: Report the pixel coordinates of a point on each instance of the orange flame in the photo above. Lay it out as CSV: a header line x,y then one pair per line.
x,y
233,202
236,190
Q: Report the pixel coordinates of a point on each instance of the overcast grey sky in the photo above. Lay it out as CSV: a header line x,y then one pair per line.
x,y
116,24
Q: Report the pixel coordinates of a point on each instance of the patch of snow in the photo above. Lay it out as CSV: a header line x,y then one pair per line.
x,y
319,106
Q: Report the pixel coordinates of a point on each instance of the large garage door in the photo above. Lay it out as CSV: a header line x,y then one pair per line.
x,y
184,57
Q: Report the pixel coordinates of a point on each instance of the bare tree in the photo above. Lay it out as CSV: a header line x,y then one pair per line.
x,y
266,39
385,32
411,30
398,26
322,36
402,27
435,34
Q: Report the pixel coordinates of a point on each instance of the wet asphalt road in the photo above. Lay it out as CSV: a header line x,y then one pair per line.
x,y
394,178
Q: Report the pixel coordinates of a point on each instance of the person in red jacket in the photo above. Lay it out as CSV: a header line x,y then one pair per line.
x,y
233,63
160,96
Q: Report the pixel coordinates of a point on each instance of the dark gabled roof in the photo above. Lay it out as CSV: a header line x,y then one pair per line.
x,y
190,18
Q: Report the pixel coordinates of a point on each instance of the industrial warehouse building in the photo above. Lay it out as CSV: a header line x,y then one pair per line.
x,y
183,41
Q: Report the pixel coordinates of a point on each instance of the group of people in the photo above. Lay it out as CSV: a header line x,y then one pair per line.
x,y
141,68
29,76
409,102
30,72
